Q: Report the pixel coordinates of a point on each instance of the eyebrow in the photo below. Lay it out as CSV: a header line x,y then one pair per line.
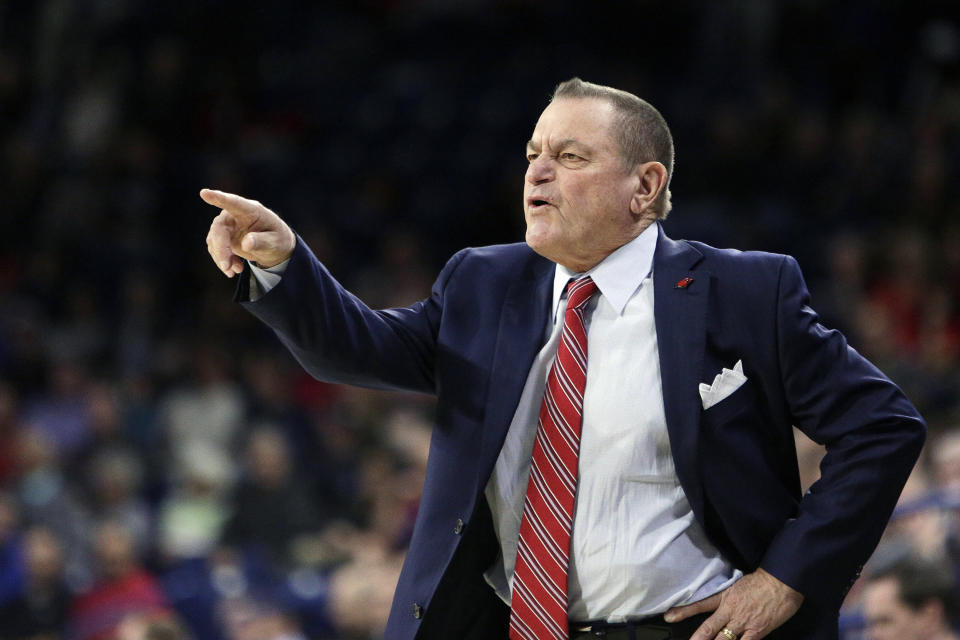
x,y
562,144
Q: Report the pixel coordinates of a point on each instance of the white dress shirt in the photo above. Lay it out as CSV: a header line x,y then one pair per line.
x,y
636,548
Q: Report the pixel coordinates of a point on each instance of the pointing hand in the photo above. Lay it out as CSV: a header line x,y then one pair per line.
x,y
245,229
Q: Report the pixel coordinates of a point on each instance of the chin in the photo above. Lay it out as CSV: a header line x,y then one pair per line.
x,y
536,238
540,244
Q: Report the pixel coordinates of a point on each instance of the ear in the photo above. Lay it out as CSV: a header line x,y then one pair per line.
x,y
652,179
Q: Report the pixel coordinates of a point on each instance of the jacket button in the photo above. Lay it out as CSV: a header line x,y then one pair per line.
x,y
458,528
417,611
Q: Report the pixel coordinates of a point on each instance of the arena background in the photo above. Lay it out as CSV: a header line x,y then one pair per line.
x,y
166,468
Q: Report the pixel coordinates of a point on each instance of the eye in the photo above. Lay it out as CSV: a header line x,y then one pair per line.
x,y
531,156
570,157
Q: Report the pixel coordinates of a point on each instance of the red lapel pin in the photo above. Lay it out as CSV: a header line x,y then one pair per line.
x,y
683,284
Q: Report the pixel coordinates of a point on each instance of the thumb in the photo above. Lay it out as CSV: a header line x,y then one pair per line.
x,y
706,605
259,241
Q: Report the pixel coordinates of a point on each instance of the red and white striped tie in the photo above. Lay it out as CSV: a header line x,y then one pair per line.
x,y
539,603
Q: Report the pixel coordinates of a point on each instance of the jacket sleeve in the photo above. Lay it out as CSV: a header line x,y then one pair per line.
x,y
337,338
873,436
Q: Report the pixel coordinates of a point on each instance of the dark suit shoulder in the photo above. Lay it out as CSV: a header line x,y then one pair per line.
x,y
735,258
746,268
507,260
517,251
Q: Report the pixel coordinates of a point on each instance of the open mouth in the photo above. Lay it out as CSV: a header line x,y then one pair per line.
x,y
536,203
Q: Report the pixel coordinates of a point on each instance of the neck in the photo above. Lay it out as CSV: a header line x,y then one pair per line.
x,y
579,264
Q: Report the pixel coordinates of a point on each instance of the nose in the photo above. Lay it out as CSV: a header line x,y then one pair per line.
x,y
540,170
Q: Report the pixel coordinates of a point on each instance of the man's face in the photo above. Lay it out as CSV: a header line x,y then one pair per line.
x,y
577,195
888,618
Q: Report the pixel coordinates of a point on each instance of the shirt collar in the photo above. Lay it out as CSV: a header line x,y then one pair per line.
x,y
619,275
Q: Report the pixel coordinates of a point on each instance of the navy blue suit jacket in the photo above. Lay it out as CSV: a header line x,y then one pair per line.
x,y
471,343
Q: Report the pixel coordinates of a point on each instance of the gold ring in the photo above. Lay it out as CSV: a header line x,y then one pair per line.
x,y
729,635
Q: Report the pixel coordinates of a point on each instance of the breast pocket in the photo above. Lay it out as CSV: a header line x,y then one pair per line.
x,y
735,404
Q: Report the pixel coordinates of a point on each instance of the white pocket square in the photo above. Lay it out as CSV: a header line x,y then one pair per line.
x,y
725,383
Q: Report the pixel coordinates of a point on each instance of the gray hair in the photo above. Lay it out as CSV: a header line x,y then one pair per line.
x,y
639,129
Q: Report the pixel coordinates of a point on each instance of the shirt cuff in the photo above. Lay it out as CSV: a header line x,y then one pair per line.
x,y
265,278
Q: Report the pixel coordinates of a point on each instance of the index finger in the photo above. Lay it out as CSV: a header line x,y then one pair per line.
x,y
239,207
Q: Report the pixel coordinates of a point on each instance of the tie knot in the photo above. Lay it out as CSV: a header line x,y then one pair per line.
x,y
580,291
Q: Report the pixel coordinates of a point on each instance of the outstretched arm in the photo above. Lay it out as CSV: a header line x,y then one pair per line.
x,y
332,333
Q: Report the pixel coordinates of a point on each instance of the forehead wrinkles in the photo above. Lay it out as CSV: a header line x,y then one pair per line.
x,y
586,122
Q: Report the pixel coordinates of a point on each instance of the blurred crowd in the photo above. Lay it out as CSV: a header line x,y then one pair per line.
x,y
168,472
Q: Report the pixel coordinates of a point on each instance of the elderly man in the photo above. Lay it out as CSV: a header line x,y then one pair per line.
x,y
613,453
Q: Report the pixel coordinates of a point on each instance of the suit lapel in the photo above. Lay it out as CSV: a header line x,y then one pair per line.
x,y
523,324
680,316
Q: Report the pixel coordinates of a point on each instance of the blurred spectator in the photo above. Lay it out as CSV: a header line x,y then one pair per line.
x,y
226,592
362,592
207,412
9,425
115,477
272,509
105,428
78,335
911,599
11,550
47,498
841,296
269,398
921,519
140,627
140,418
341,445
62,412
945,454
135,341
40,610
249,620
399,275
362,587
123,587
192,517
